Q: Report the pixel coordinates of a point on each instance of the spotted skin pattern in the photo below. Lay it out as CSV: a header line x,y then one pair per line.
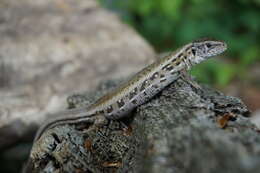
x,y
142,87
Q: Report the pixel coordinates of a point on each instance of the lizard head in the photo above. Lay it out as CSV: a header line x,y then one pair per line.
x,y
205,48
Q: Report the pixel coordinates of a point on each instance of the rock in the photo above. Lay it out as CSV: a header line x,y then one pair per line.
x,y
51,49
182,129
256,118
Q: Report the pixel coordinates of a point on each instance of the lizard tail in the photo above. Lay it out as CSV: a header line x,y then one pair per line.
x,y
70,116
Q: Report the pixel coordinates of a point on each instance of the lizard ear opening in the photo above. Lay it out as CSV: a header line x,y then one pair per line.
x,y
193,51
208,45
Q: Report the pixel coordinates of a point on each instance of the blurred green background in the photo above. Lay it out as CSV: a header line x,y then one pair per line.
x,y
168,24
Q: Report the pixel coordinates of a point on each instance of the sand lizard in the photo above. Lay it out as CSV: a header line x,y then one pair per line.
x,y
142,87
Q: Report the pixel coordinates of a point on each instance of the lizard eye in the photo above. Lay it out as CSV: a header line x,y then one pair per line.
x,y
193,52
208,45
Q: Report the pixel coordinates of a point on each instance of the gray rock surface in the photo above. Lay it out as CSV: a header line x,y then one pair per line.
x,y
50,49
181,130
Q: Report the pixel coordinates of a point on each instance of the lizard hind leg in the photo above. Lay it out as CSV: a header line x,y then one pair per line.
x,y
100,121
97,122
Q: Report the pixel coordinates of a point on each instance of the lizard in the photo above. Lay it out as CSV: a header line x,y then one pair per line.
x,y
141,87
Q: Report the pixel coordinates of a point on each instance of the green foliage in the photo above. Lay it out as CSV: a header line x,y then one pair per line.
x,y
215,72
168,24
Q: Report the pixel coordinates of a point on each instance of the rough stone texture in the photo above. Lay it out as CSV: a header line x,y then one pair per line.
x,y
181,130
52,48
